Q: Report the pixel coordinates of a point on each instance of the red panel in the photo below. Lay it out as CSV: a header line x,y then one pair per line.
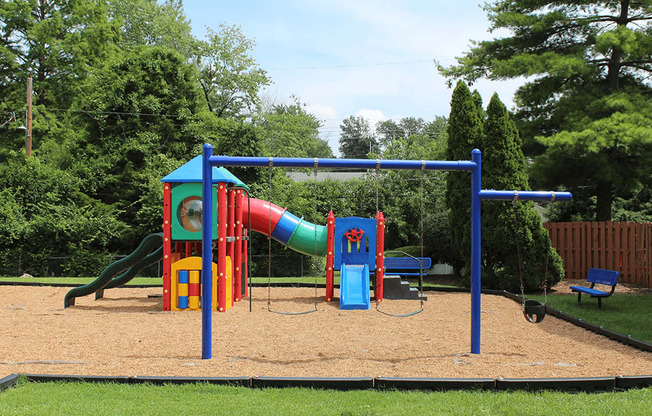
x,y
167,244
230,223
193,289
221,246
245,255
330,256
380,254
237,257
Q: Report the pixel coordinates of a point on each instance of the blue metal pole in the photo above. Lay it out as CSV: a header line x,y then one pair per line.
x,y
476,254
207,255
490,194
288,162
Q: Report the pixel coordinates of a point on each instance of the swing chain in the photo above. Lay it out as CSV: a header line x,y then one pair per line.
x,y
269,239
269,250
518,245
423,166
314,261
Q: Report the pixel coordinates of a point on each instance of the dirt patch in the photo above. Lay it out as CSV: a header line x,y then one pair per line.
x,y
126,333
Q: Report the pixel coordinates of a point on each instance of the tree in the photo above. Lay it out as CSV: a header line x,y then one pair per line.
x,y
601,153
575,53
356,140
138,107
389,130
229,76
503,258
44,214
148,22
289,131
57,42
464,134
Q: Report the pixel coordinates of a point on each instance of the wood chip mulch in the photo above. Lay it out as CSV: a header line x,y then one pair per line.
x,y
128,334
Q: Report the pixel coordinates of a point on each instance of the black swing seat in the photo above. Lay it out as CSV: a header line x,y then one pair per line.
x,y
533,310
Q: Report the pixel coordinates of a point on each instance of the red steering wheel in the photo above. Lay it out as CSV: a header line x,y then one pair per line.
x,y
354,235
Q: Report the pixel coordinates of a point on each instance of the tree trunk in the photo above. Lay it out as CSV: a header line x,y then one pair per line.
x,y
605,198
615,62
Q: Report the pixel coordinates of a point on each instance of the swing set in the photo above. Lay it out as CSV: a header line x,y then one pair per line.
x,y
477,196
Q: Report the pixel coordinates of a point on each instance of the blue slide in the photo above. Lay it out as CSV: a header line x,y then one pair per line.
x,y
354,287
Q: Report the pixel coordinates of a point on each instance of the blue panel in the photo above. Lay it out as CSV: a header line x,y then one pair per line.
x,y
183,276
183,302
355,253
354,287
399,263
192,172
285,227
602,276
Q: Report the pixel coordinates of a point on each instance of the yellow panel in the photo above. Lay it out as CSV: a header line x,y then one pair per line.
x,y
229,283
190,264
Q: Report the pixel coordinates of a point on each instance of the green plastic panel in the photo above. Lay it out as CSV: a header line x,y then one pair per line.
x,y
182,228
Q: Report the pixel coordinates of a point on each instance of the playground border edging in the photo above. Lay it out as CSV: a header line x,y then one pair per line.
x,y
569,385
7,382
322,383
434,384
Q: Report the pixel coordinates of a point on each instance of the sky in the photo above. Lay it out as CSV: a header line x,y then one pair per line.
x,y
371,58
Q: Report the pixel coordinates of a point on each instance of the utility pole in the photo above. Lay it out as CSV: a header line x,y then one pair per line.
x,y
28,137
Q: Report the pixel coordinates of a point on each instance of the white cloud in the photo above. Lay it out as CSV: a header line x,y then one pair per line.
x,y
323,112
372,116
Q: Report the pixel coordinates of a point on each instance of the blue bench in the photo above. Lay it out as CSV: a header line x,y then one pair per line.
x,y
401,265
601,277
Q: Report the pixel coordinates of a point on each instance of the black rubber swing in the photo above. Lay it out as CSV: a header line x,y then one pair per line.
x,y
534,311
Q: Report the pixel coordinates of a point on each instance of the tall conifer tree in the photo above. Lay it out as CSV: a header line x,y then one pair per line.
x,y
503,167
464,134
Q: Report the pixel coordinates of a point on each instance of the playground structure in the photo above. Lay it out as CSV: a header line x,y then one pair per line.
x,y
349,245
203,200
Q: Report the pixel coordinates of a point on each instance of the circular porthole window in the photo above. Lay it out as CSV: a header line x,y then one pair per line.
x,y
189,214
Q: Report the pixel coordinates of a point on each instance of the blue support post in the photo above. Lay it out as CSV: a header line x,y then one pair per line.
x,y
207,255
476,254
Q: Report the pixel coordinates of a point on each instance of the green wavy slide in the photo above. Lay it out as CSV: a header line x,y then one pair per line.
x,y
122,271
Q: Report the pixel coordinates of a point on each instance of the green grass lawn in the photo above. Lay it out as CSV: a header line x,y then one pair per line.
x,y
622,313
98,399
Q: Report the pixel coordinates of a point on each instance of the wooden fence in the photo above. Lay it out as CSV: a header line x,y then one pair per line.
x,y
622,246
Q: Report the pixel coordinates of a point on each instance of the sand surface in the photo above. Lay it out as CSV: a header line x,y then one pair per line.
x,y
126,333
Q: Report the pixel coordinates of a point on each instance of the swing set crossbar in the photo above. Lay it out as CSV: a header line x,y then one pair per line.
x,y
477,196
325,163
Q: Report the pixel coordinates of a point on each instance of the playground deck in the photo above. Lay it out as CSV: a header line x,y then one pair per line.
x,y
126,333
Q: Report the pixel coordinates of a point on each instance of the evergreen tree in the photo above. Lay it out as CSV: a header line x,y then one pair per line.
x,y
464,134
503,167
584,61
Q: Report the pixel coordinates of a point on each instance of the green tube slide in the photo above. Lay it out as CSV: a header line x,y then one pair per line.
x,y
148,249
309,239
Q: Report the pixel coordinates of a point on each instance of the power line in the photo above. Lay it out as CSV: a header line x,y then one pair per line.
x,y
298,68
